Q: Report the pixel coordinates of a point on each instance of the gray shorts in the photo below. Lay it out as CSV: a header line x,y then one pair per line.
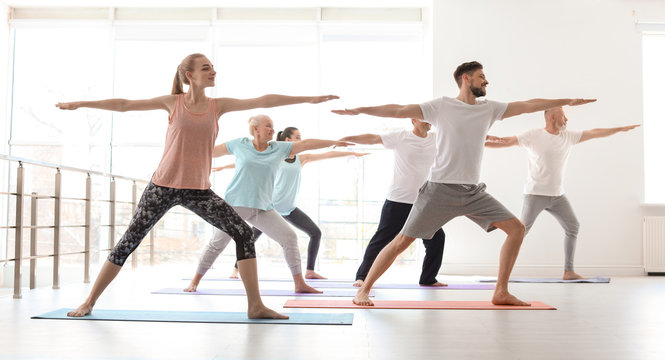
x,y
438,203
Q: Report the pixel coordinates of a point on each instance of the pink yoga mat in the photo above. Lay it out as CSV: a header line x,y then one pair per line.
x,y
411,304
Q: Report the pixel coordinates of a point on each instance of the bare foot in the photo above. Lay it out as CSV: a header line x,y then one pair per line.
x,y
234,274
304,288
82,310
506,298
435,284
263,312
362,299
358,283
572,275
310,274
191,288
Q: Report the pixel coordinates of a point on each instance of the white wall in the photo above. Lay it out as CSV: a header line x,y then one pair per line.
x,y
555,49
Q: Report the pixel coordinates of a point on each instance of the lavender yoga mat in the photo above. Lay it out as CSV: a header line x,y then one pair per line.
x,y
597,279
325,285
334,284
273,279
264,292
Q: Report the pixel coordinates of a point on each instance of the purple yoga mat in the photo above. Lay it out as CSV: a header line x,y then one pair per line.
x,y
264,292
343,285
273,279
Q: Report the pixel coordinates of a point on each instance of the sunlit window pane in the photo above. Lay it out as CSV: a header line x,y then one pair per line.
x,y
48,70
654,113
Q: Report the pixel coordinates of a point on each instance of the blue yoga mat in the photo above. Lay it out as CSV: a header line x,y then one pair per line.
x,y
597,279
200,317
264,292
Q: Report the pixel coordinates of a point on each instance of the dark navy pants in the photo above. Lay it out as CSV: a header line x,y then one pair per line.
x,y
393,217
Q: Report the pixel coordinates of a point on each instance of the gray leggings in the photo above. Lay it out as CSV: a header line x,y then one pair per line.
x,y
560,208
271,223
302,222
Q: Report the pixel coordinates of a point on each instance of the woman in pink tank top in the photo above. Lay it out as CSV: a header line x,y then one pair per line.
x,y
182,177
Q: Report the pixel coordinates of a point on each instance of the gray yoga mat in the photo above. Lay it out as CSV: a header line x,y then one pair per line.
x,y
200,317
597,279
264,292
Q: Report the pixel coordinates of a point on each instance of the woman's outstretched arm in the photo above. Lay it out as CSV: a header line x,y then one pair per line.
x,y
166,102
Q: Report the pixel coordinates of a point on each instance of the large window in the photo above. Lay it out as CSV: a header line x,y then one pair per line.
x,y
365,57
654,112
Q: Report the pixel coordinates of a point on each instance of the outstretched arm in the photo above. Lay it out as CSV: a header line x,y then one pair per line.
x,y
500,142
312,144
412,111
166,102
228,166
307,158
267,101
365,139
534,105
599,133
220,150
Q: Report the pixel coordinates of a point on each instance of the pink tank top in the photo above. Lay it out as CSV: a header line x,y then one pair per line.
x,y
190,140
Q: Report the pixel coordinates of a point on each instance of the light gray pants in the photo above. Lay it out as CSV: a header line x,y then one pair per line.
x,y
560,208
271,224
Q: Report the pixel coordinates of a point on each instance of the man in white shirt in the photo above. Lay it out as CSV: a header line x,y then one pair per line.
x,y
548,150
414,152
453,188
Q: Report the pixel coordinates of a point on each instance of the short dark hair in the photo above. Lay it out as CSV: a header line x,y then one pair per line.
x,y
286,133
466,68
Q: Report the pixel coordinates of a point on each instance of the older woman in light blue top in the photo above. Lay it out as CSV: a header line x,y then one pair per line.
x,y
287,186
250,193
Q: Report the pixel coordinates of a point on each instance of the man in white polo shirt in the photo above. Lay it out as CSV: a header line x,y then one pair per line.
x,y
453,188
548,150
414,151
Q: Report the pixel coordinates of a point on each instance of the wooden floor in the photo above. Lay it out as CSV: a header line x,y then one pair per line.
x,y
621,320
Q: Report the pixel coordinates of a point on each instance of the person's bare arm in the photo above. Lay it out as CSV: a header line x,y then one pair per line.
x,y
166,102
267,101
411,111
313,144
365,139
500,142
529,106
220,150
604,132
224,167
307,158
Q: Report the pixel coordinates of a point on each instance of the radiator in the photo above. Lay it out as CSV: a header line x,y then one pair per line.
x,y
653,234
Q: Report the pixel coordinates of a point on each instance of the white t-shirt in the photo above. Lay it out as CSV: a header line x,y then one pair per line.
x,y
413,158
548,155
460,137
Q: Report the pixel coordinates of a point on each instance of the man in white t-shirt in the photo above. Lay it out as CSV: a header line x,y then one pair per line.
x,y
414,151
548,150
453,188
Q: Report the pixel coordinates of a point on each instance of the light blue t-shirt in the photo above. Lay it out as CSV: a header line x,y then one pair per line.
x,y
287,186
254,180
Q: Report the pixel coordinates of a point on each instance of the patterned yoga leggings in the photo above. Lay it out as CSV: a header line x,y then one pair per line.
x,y
157,200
